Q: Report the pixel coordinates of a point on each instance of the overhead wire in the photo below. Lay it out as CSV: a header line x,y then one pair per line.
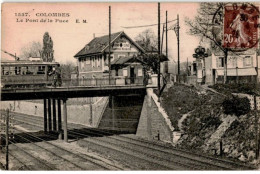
x,y
141,26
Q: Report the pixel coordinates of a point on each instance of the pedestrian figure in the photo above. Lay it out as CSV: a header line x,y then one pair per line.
x,y
56,72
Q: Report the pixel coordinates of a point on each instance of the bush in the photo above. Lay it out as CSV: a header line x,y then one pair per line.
x,y
251,89
236,105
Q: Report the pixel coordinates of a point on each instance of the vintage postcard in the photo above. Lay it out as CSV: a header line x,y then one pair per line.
x,y
130,86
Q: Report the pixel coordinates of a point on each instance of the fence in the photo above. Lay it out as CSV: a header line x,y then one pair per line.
x,y
114,81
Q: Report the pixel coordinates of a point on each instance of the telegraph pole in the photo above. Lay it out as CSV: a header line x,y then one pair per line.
x,y
178,42
166,34
162,40
159,52
109,51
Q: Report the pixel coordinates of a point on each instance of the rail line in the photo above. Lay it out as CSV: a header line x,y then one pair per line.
x,y
41,165
86,158
140,149
184,161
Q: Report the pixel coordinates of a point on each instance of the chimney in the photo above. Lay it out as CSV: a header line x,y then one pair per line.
x,y
94,36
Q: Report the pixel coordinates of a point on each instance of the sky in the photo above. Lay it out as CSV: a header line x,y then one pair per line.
x,y
69,37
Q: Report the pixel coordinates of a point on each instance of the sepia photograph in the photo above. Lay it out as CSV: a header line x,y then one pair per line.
x,y
130,86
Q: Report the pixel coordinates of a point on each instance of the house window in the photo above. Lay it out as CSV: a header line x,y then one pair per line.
x,y
248,61
87,61
221,62
232,62
93,62
82,64
140,72
98,61
125,72
111,58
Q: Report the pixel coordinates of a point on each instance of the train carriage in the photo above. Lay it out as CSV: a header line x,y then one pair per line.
x,y
26,73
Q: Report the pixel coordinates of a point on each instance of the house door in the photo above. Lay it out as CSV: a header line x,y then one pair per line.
x,y
214,76
132,75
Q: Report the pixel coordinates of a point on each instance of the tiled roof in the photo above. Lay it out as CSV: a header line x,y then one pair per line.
x,y
97,44
122,60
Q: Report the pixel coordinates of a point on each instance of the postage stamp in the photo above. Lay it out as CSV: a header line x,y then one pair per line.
x,y
240,26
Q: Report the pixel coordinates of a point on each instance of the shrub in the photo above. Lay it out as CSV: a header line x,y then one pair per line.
x,y
251,89
236,105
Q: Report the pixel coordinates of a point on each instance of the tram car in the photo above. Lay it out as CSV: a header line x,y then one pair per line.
x,y
26,74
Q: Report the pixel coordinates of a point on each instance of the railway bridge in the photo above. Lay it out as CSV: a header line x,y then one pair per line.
x,y
54,96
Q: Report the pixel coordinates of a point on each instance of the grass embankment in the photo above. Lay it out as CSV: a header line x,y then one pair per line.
x,y
179,100
206,117
227,89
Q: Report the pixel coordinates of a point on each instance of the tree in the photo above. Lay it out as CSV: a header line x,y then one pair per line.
x,y
33,49
67,69
47,50
147,39
209,24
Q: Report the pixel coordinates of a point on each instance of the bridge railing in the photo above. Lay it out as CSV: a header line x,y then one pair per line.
x,y
113,81
87,82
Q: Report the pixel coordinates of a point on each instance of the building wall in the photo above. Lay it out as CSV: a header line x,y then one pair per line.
x,y
90,66
91,63
234,61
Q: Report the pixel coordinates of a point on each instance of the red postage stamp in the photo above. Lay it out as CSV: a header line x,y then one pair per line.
x,y
240,26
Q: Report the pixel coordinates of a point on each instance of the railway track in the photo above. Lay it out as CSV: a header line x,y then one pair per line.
x,y
60,154
144,153
161,152
19,165
228,164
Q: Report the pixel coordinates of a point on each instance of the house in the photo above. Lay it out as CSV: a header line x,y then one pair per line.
x,y
241,67
92,59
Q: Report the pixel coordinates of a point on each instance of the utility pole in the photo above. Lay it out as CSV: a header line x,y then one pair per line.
x,y
109,51
162,40
178,42
7,139
159,52
166,34
187,67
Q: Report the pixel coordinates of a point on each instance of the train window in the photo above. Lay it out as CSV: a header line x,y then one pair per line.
x,y
12,70
30,70
17,70
49,69
41,70
23,70
5,70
